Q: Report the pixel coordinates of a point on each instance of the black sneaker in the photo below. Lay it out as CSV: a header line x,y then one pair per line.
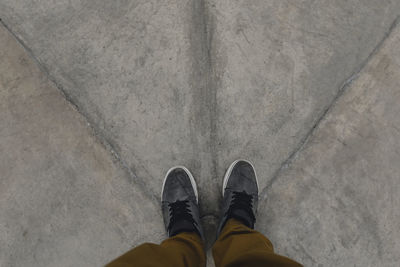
x,y
240,194
179,202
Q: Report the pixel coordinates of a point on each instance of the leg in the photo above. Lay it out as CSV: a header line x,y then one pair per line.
x,y
239,245
184,249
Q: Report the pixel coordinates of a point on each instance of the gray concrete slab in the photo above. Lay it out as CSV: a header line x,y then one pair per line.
x,y
129,67
279,65
338,202
201,83
198,83
64,200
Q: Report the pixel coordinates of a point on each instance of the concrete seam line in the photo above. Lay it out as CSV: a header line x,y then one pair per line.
x,y
286,163
97,133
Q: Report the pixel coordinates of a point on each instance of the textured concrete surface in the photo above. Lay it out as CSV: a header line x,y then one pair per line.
x,y
338,202
202,83
63,199
164,81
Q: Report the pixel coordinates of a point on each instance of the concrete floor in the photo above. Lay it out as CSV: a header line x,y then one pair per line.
x,y
99,98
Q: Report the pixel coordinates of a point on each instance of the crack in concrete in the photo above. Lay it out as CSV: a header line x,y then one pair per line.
x,y
203,125
303,142
97,133
212,83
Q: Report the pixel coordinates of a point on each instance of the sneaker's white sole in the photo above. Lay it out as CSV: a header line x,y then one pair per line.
x,y
229,171
192,181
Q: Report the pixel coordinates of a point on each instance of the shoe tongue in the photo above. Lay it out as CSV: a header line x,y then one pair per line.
x,y
182,226
243,216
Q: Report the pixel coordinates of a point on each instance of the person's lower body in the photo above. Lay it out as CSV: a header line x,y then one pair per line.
x,y
237,243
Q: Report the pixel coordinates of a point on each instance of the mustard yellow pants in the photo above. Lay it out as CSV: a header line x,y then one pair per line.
x,y
236,246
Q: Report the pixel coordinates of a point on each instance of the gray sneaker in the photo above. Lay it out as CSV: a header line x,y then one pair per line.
x,y
240,194
179,202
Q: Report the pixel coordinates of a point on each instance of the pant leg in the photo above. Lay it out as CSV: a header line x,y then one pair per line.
x,y
182,250
239,246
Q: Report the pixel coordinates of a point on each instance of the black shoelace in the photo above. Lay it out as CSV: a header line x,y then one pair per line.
x,y
243,201
179,210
